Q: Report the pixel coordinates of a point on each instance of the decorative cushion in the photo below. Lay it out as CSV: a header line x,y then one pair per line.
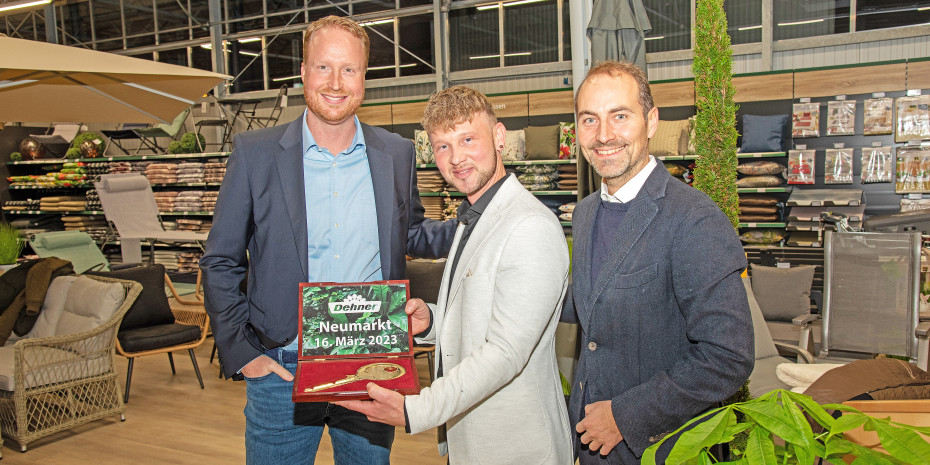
x,y
675,169
758,181
151,307
668,136
764,133
567,140
90,303
514,146
156,337
782,293
760,168
762,236
423,148
765,346
689,144
542,142
69,365
54,305
757,200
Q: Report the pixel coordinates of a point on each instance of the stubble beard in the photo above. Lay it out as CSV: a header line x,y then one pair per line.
x,y
463,186
325,112
615,167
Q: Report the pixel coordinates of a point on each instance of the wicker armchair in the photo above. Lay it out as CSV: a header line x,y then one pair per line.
x,y
64,381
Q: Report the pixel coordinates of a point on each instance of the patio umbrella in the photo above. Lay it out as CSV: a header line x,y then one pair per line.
x,y
40,81
617,29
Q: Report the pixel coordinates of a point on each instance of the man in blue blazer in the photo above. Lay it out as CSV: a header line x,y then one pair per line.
x,y
323,198
665,325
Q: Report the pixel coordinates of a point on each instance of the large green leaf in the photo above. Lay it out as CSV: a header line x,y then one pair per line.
x,y
799,422
837,446
901,443
702,436
812,408
774,418
866,456
760,450
848,422
920,429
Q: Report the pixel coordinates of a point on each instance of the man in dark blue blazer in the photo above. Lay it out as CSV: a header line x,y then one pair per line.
x,y
665,325
323,198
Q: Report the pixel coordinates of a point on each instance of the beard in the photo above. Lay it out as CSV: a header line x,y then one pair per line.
x,y
617,165
329,113
473,183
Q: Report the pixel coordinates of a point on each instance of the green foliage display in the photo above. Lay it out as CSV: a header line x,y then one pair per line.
x,y
188,144
11,244
73,152
84,137
715,125
16,156
785,414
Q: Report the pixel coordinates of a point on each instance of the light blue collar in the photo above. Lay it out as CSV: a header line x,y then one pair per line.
x,y
358,141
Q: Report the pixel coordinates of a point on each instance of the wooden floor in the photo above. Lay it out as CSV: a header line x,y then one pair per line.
x,y
170,420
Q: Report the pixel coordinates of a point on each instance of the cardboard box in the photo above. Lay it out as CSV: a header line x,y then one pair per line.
x,y
352,334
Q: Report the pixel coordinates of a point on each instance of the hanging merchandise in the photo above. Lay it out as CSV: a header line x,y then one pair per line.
x,y
878,116
801,166
841,117
838,166
913,121
805,120
910,205
913,171
876,165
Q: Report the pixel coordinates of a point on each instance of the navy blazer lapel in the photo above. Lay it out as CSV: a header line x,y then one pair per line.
x,y
291,172
382,180
643,210
583,228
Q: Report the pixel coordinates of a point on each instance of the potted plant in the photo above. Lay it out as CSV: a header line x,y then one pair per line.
x,y
785,414
11,245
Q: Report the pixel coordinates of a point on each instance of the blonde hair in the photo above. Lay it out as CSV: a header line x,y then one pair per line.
x,y
617,69
453,106
338,22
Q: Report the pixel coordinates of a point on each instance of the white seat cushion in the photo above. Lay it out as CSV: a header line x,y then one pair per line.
x,y
48,365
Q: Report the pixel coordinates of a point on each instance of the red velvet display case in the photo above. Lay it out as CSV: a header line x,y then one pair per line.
x,y
352,334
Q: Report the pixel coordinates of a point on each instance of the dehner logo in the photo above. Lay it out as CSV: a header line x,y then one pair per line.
x,y
355,304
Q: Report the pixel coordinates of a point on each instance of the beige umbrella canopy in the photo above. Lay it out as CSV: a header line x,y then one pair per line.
x,y
40,81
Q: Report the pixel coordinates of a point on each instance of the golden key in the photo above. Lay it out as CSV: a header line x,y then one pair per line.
x,y
372,371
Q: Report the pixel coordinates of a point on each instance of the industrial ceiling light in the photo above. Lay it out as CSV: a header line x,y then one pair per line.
x,y
14,7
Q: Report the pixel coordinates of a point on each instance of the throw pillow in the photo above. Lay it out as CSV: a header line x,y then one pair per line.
x,y
760,168
151,307
90,303
423,148
764,133
668,136
782,293
514,146
567,140
542,142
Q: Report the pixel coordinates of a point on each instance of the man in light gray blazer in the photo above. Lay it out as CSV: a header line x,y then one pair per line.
x,y
665,325
497,388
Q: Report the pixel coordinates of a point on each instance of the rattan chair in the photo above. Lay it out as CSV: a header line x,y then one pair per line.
x,y
61,382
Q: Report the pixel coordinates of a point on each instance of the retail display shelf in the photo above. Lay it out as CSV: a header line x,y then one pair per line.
x,y
99,212
88,186
761,190
37,187
172,156
565,223
762,155
570,161
761,225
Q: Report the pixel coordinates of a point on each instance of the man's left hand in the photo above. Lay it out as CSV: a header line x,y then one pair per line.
x,y
385,406
598,428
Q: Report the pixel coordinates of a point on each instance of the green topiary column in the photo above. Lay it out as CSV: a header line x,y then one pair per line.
x,y
715,125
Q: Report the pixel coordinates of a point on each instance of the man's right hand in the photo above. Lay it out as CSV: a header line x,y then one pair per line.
x,y
420,315
263,365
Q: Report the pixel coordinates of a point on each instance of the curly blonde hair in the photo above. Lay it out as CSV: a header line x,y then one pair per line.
x,y
453,106
338,22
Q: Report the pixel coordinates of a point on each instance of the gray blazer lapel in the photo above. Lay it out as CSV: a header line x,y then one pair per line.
x,y
382,180
489,219
291,172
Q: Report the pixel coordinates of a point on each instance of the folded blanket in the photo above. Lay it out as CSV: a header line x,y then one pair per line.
x,y
800,375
